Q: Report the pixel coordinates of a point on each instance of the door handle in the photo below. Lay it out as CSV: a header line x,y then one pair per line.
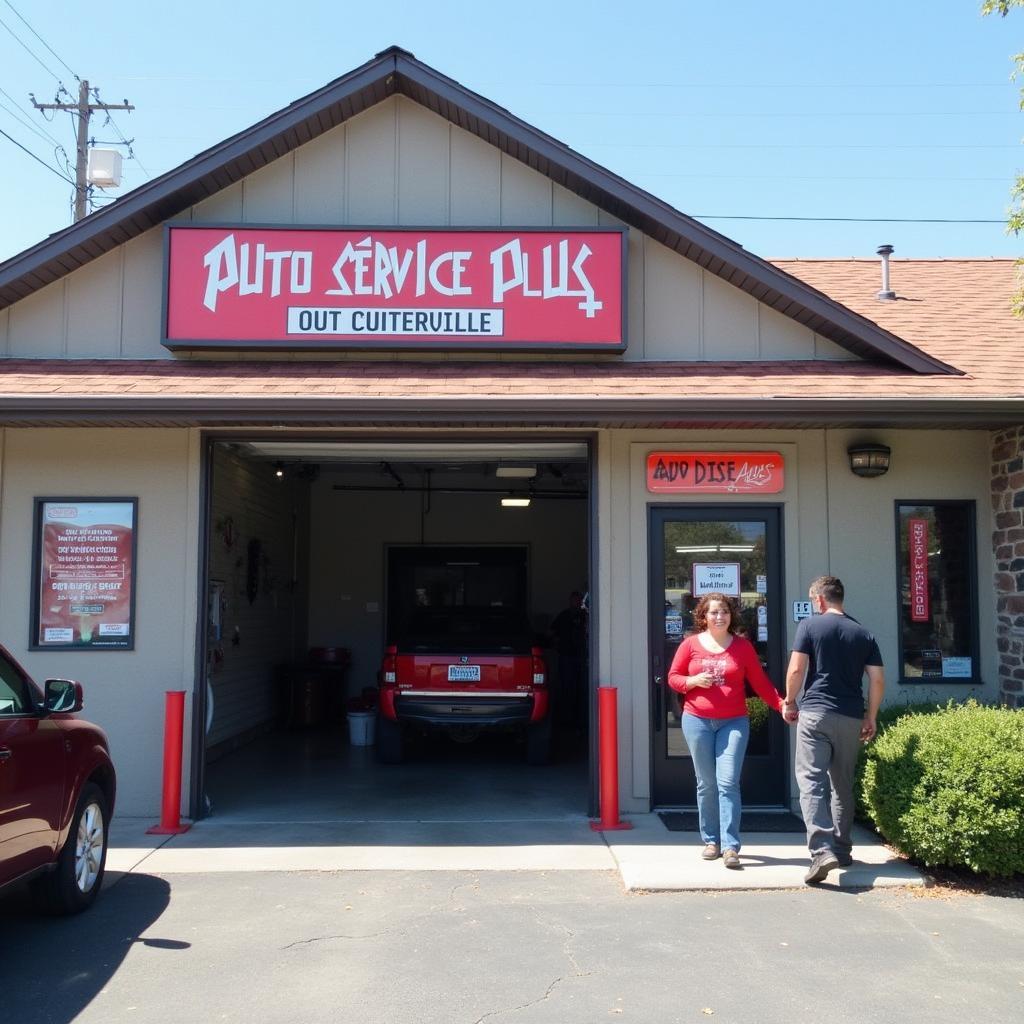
x,y
5,753
659,714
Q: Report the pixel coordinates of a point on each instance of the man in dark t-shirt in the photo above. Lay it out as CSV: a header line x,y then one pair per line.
x,y
831,654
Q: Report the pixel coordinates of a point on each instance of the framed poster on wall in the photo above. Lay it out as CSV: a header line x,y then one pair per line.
x,y
83,594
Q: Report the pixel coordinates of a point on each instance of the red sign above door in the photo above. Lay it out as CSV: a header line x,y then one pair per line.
x,y
715,473
390,288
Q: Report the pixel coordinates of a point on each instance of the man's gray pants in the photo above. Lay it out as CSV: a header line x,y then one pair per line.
x,y
826,763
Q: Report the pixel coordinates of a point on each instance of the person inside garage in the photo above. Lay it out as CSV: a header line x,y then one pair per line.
x,y
569,633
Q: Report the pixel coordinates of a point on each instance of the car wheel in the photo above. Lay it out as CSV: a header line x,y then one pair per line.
x,y
538,742
390,742
75,882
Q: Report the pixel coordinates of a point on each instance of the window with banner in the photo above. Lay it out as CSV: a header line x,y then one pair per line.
x,y
938,601
84,580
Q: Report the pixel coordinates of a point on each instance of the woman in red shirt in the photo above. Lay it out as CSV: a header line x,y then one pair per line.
x,y
711,669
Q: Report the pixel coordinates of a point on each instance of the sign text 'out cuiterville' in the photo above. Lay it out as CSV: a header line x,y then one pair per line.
x,y
264,287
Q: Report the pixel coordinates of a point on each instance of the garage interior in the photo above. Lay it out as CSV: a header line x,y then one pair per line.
x,y
299,540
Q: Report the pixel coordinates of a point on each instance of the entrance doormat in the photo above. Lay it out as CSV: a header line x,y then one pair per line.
x,y
753,821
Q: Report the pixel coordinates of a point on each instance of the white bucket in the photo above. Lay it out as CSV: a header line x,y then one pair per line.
x,y
361,728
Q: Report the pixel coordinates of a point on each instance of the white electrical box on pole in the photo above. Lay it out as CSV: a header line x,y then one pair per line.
x,y
84,109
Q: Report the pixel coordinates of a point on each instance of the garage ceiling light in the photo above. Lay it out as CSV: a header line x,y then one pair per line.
x,y
515,502
519,472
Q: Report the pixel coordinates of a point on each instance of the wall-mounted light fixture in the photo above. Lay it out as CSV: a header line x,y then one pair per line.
x,y
869,459
515,502
279,470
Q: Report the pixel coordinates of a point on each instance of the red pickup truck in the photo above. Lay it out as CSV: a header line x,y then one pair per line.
x,y
57,787
465,671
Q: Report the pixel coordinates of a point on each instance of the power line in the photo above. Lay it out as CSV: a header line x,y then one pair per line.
x,y
25,122
37,159
850,220
41,39
34,56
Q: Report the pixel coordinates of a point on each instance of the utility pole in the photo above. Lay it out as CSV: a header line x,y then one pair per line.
x,y
84,109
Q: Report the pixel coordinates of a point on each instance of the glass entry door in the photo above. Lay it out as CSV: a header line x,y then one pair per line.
x,y
736,549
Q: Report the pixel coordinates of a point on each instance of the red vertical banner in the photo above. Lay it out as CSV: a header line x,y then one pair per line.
x,y
918,544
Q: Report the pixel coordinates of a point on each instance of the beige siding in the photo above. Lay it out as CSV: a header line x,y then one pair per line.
x,y
320,179
730,321
5,336
370,158
268,194
782,338
526,197
93,300
671,327
423,166
143,296
37,323
124,690
399,163
475,181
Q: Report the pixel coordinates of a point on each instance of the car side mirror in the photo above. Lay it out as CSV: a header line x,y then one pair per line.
x,y
62,696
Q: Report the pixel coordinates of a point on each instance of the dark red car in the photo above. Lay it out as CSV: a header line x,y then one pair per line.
x,y
57,787
464,671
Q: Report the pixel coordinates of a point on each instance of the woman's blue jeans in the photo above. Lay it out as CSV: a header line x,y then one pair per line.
x,y
717,746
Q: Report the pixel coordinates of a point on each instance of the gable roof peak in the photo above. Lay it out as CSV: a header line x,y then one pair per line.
x,y
396,70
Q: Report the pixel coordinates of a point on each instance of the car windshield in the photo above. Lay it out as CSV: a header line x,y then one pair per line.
x,y
467,630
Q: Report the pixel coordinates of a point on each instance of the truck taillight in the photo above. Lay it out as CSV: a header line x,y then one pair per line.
x,y
388,670
539,667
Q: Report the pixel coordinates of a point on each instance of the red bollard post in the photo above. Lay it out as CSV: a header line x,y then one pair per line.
x,y
170,807
608,760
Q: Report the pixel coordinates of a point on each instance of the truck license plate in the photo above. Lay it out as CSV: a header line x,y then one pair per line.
x,y
463,673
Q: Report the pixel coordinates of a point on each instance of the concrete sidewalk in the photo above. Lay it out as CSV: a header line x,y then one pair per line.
x,y
647,858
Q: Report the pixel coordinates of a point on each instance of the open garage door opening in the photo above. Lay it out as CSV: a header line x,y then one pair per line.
x,y
396,630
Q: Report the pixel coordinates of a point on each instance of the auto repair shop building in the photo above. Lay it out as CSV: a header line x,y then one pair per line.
x,y
228,397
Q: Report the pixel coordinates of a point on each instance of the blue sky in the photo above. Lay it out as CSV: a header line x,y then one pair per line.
x,y
748,109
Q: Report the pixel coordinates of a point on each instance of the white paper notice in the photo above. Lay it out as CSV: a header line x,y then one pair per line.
x,y
762,584
716,577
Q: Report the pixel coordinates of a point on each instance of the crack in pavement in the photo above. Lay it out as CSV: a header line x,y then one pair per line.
x,y
577,972
328,938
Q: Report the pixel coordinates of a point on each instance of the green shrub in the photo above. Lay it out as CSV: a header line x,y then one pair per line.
x,y
886,717
947,788
757,712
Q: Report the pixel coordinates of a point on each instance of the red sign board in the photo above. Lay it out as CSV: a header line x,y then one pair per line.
x,y
256,287
918,541
715,473
85,556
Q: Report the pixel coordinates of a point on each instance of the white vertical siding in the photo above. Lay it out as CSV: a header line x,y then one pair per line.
x,y
423,166
370,148
94,308
475,185
320,179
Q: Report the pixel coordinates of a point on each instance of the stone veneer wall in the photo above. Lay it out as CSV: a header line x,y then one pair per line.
x,y
1008,545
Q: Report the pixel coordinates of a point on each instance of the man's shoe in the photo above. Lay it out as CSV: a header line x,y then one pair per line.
x,y
845,859
731,859
711,852
821,865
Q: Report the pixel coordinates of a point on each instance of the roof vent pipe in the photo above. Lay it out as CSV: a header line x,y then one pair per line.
x,y
886,294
